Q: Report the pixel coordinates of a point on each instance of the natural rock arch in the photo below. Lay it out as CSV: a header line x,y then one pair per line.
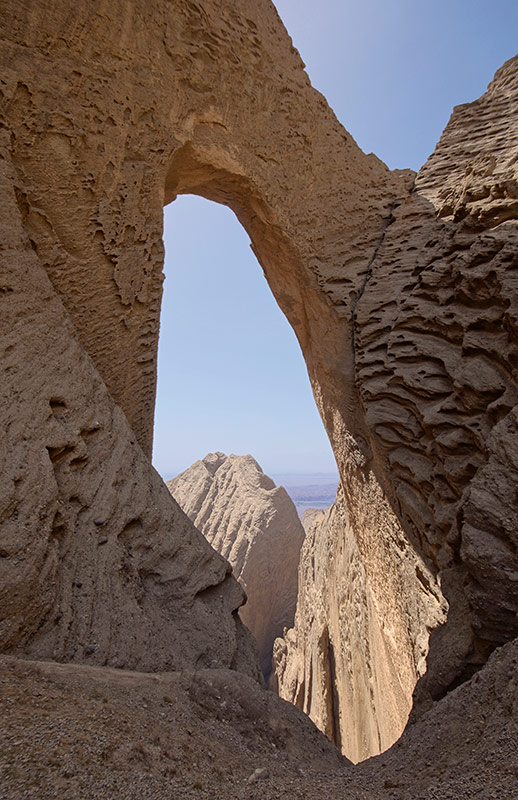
x,y
371,718
110,111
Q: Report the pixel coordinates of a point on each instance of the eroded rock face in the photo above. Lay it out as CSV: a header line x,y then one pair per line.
x,y
254,524
435,357
98,561
106,116
437,354
338,664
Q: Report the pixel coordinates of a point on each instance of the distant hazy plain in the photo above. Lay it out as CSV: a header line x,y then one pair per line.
x,y
316,490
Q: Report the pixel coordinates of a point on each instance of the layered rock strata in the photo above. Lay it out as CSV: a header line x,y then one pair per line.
x,y
254,524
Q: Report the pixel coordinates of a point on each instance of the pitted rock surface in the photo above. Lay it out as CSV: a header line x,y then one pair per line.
x,y
437,357
435,354
98,561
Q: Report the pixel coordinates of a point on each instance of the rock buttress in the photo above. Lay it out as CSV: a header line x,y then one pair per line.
x,y
98,563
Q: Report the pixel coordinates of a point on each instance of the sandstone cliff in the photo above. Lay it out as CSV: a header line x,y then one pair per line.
x,y
253,524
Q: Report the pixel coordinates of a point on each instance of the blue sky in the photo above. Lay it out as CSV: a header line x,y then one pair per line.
x,y
231,376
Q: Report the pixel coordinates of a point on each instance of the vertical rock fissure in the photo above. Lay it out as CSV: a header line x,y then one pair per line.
x,y
335,698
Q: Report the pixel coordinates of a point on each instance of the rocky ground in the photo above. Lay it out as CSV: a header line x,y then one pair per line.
x,y
89,732
72,731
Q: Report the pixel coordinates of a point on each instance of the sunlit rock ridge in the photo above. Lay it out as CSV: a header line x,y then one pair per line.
x,y
254,524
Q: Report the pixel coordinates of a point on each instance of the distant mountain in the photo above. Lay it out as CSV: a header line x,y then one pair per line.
x,y
318,493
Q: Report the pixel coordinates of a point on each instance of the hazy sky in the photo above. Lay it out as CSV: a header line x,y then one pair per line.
x,y
231,376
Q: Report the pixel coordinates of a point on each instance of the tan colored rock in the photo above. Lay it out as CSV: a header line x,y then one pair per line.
x,y
342,662
402,294
254,524
107,117
110,124
98,562
437,349
310,517
435,358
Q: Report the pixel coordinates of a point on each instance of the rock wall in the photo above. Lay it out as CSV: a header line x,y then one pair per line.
x,y
342,661
98,562
436,347
108,113
254,524
114,111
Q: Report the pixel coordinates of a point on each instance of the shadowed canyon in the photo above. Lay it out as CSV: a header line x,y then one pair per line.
x,y
126,669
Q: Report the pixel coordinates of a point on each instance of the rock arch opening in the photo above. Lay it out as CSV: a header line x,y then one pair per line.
x,y
231,378
360,542
230,373
401,290
362,535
